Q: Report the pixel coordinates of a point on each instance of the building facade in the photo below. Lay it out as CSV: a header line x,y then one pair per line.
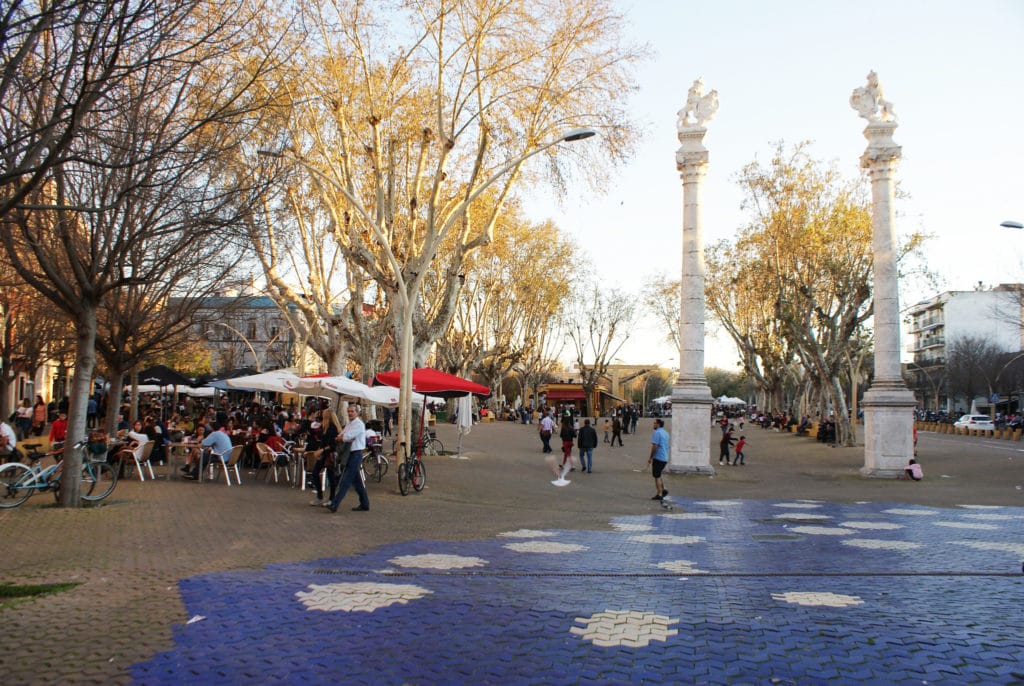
x,y
246,331
939,323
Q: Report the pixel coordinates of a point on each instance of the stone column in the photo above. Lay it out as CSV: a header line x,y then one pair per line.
x,y
888,404
691,396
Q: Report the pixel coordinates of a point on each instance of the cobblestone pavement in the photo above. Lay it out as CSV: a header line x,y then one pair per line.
x,y
788,570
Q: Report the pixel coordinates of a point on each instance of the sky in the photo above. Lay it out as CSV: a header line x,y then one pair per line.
x,y
784,70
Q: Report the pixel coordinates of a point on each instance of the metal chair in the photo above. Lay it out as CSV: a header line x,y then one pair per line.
x,y
141,459
273,460
227,462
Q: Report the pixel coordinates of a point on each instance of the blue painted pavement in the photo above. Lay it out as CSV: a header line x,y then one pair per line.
x,y
716,592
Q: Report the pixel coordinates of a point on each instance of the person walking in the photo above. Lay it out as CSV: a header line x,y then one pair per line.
x,y
726,442
659,457
331,429
607,426
587,441
616,430
546,428
739,450
354,433
91,409
568,435
23,419
39,416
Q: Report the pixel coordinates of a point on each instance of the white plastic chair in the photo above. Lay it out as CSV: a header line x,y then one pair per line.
x,y
227,462
269,459
143,459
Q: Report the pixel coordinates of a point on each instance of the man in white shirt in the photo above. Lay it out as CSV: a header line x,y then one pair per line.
x,y
8,441
354,434
547,426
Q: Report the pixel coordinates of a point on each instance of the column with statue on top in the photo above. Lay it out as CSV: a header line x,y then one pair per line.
x,y
888,404
691,395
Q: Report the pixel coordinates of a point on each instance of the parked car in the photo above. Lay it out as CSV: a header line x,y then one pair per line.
x,y
975,421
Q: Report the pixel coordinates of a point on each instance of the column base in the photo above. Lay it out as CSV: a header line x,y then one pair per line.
x,y
691,426
888,430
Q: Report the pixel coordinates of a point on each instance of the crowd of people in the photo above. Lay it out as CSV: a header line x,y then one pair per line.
x,y
214,427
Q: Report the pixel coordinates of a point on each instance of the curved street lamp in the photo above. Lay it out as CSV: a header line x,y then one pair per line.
x,y
252,349
405,344
931,382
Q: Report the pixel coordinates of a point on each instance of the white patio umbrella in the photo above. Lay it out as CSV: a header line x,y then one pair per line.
x,y
274,381
346,388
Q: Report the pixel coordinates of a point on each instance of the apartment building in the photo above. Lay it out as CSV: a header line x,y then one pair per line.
x,y
936,324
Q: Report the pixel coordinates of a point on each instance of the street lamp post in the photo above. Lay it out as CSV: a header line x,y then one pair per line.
x,y
931,382
406,288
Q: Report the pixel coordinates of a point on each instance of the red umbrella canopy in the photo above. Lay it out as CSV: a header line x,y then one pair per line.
x,y
434,382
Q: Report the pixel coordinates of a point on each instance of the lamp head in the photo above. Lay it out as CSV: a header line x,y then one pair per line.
x,y
578,134
1010,224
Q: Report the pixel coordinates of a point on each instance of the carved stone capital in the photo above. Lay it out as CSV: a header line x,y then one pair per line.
x,y
882,150
880,159
691,161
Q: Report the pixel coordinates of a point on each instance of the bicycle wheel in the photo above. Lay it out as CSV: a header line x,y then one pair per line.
x,y
419,475
101,479
369,466
382,466
435,447
12,493
403,479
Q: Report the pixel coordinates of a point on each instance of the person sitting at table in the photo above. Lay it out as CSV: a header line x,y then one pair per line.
x,y
217,442
275,443
290,427
134,442
8,442
193,454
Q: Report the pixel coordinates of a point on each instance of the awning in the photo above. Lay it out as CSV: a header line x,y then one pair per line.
x,y
565,394
613,397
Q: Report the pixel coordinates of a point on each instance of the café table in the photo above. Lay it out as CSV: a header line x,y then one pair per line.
x,y
182,449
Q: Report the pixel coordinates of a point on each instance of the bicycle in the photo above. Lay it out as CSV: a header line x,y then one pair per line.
x,y
19,482
431,445
411,472
375,464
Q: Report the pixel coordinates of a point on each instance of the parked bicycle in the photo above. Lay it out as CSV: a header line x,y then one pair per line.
x,y
411,472
431,445
375,463
19,482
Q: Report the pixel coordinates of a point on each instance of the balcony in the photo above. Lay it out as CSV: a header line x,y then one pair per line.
x,y
928,343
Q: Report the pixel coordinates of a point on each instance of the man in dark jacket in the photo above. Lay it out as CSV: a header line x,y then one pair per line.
x,y
616,430
587,441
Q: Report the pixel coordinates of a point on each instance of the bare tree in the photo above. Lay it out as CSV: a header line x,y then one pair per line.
x,y
31,332
511,297
970,361
599,325
409,116
174,99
